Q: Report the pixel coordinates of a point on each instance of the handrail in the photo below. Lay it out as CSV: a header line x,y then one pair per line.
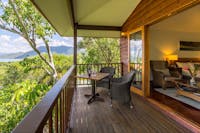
x,y
82,69
100,63
54,101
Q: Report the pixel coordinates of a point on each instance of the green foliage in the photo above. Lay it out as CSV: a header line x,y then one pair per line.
x,y
21,18
34,23
24,84
17,100
62,63
99,50
3,67
13,74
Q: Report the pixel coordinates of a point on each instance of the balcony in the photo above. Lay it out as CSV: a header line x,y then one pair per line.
x,y
65,109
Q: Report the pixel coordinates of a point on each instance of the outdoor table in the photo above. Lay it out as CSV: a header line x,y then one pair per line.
x,y
94,77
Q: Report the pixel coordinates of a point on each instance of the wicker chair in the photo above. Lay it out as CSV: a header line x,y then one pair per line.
x,y
105,82
120,88
162,76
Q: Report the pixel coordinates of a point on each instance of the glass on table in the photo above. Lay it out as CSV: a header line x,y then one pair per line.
x,y
94,73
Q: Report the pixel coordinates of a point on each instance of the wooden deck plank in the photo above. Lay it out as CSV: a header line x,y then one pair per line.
x,y
99,117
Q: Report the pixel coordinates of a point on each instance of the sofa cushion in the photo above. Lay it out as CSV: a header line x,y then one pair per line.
x,y
197,69
185,68
191,66
171,78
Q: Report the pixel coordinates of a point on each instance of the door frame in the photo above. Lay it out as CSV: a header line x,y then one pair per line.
x,y
145,89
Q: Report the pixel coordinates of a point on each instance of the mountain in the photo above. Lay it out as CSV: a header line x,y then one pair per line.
x,y
1,53
10,56
55,49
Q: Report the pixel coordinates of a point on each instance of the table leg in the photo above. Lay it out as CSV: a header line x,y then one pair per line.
x,y
95,96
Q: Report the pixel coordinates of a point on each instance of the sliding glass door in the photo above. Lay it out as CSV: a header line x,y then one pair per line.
x,y
139,61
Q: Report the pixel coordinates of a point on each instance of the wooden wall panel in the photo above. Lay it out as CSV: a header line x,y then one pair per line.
x,y
146,13
151,11
124,53
146,63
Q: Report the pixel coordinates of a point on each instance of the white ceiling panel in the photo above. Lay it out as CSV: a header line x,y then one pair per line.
x,y
58,14
87,12
104,12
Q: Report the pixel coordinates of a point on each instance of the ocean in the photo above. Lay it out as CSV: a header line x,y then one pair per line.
x,y
9,60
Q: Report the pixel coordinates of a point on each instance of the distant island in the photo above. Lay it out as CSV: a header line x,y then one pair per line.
x,y
67,50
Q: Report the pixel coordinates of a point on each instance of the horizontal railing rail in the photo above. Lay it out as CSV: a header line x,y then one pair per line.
x,y
82,69
52,113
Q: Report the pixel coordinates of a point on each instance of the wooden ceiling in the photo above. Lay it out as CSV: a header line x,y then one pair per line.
x,y
186,21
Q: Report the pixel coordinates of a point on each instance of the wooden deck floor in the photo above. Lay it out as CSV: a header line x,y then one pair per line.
x,y
99,117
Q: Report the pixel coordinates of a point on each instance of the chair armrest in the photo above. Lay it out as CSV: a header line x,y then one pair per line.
x,y
117,80
119,83
123,84
159,74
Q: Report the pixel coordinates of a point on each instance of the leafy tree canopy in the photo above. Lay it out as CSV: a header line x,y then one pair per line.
x,y
99,50
24,84
21,17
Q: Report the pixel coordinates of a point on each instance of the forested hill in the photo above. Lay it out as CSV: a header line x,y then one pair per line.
x,y
67,50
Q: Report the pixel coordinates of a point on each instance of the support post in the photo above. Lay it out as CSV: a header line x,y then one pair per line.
x,y
75,51
75,44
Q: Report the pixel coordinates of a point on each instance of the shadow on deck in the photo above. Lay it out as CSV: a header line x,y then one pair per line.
x,y
99,117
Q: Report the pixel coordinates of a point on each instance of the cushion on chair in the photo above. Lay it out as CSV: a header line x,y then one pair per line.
x,y
164,71
171,78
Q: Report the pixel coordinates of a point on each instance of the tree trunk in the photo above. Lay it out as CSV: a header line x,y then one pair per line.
x,y
55,74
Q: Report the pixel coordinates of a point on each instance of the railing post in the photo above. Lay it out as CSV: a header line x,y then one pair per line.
x,y
56,117
122,71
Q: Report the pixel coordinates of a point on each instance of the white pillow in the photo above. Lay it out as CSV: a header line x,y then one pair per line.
x,y
185,67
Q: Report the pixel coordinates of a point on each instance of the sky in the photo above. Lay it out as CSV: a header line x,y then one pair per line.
x,y
12,43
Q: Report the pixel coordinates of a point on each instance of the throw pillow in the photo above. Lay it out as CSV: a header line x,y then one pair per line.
x,y
197,69
191,66
184,67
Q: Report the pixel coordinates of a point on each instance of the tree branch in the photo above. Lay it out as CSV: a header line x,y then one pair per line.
x,y
19,18
10,30
32,44
48,72
50,55
104,55
48,49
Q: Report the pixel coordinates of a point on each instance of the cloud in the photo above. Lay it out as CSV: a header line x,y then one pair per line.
x,y
4,38
10,44
59,43
14,44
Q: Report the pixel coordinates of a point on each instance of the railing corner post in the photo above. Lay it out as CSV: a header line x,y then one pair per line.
x,y
122,69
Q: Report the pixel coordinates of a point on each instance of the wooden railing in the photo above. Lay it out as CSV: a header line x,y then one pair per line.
x,y
82,69
138,68
52,113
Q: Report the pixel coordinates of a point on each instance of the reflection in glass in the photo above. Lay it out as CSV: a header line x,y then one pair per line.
x,y
136,57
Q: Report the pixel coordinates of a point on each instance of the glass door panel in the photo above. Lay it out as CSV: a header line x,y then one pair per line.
x,y
136,53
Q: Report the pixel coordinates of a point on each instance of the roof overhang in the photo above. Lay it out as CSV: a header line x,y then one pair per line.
x,y
95,18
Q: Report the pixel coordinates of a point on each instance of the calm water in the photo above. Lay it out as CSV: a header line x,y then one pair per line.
x,y
9,60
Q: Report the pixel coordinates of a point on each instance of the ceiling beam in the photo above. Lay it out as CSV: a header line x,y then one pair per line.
x,y
98,27
72,11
